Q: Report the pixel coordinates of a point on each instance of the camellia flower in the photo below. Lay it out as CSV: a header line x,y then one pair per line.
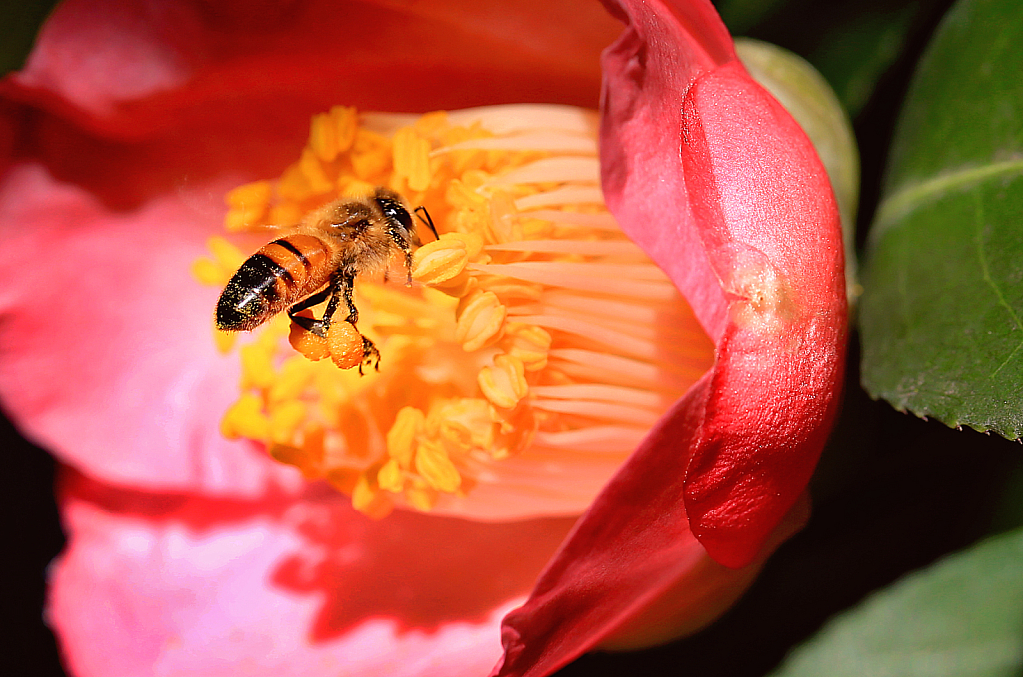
x,y
538,347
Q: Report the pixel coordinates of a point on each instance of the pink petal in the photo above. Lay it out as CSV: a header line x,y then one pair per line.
x,y
106,349
164,584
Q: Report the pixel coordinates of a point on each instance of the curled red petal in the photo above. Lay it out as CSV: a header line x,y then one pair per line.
x,y
723,189
709,174
770,225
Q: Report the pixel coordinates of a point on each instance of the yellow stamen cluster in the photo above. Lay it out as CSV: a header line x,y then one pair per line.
x,y
535,348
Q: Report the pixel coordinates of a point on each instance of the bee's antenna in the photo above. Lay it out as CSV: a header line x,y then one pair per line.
x,y
428,221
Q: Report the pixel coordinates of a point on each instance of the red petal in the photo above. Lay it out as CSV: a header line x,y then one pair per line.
x,y
771,228
714,179
126,70
170,584
711,175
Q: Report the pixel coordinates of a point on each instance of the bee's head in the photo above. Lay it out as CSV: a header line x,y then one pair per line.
x,y
396,214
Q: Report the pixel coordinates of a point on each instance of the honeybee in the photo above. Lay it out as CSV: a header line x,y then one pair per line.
x,y
319,261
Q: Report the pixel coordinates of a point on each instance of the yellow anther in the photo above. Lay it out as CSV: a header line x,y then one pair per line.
x,y
390,477
455,437
225,254
209,273
323,137
472,414
369,500
473,242
333,132
439,261
308,458
241,219
285,419
432,124
480,320
294,185
402,436
421,496
412,158
224,340
528,343
257,366
474,179
245,418
459,195
468,220
285,214
504,384
434,466
314,173
295,375
346,118
371,156
250,195
247,205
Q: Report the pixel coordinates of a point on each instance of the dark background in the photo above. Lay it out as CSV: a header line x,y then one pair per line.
x,y
892,493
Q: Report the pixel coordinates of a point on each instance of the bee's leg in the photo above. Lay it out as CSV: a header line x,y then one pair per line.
x,y
428,221
370,353
403,245
311,324
344,289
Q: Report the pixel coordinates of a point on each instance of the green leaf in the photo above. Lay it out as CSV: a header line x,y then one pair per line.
x,y
961,617
857,52
942,312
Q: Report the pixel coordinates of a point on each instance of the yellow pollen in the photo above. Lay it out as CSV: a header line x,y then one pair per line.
x,y
534,349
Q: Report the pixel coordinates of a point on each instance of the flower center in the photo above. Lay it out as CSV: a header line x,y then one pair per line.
x,y
533,351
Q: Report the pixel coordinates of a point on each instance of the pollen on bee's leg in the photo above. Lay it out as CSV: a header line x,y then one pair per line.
x,y
345,344
311,346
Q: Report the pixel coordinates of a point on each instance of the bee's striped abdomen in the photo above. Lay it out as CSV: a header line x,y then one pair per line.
x,y
277,276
